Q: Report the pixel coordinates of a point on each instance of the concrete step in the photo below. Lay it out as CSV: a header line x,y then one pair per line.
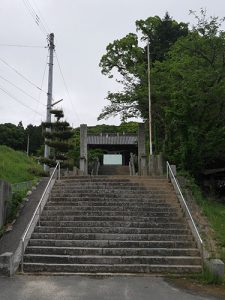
x,y
111,243
111,236
112,224
123,224
86,203
88,188
111,260
115,194
112,251
105,213
77,206
105,199
112,218
118,208
117,268
122,230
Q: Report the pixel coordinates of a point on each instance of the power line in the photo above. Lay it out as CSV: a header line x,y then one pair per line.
x,y
20,89
20,74
35,17
22,46
43,20
42,82
66,87
17,100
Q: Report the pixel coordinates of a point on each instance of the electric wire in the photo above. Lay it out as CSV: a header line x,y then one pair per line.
x,y
20,74
17,100
42,82
41,17
27,94
66,87
35,17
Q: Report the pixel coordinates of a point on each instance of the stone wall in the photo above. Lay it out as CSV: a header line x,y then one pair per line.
x,y
5,199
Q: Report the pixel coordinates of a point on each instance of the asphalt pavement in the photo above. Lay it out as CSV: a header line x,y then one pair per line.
x,y
29,287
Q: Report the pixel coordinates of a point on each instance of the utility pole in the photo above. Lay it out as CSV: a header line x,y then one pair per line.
x,y
149,101
51,48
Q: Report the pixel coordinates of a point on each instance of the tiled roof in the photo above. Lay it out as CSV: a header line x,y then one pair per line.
x,y
112,139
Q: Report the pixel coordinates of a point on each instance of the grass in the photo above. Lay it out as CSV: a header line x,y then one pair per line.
x,y
16,166
215,213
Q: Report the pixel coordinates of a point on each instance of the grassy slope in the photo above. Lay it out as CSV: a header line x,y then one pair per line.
x,y
16,167
215,213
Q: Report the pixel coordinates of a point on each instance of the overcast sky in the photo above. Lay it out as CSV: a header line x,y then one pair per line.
x,y
83,29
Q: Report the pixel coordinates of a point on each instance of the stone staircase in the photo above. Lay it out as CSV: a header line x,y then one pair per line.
x,y
114,170
107,224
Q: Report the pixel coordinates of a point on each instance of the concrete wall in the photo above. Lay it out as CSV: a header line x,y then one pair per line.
x,y
5,199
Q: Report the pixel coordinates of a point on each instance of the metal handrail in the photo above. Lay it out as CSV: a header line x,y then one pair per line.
x,y
37,211
170,172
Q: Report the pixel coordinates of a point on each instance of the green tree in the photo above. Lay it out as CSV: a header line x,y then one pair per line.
x,y
58,139
13,136
126,60
36,138
191,84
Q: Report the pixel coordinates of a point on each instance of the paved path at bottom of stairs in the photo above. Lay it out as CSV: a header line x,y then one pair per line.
x,y
91,288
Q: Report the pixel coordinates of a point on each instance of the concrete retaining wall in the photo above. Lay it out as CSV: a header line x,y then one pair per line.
x,y
5,199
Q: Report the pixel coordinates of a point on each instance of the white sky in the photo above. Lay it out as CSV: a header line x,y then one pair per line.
x,y
83,29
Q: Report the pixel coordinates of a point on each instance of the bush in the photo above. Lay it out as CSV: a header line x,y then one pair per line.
x,y
17,198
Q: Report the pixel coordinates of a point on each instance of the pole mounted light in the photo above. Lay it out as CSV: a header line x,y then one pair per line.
x,y
149,100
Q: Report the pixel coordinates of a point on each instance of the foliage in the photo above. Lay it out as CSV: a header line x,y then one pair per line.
x,y
13,136
16,137
190,86
58,138
16,167
17,199
126,58
36,140
214,211
187,87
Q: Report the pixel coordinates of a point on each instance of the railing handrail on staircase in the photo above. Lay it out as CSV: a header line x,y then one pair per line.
x,y
37,213
171,176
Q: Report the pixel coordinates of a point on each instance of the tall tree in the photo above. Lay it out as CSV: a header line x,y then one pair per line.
x,y
192,83
126,60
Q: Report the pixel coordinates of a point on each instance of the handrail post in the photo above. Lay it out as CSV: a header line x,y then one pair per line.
x,y
59,172
167,171
22,255
39,216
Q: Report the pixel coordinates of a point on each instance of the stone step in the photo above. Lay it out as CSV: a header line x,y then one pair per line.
x,y
128,186
135,200
111,243
122,230
95,208
105,213
111,189
123,224
111,260
112,251
112,218
111,236
115,194
110,205
121,268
